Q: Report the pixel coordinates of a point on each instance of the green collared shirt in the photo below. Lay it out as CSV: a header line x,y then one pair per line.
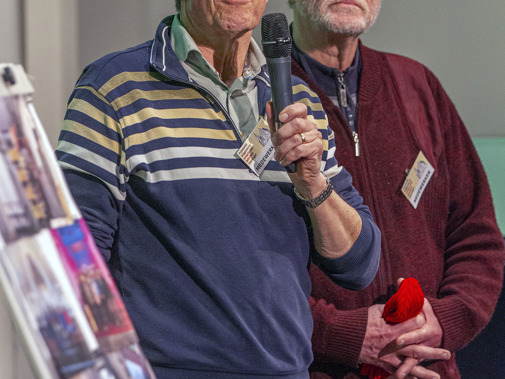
x,y
240,99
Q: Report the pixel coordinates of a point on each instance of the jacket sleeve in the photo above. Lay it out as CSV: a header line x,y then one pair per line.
x,y
338,334
474,249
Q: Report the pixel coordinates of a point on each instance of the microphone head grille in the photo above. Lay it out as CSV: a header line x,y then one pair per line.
x,y
275,35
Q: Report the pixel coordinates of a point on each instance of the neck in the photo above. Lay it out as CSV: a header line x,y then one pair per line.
x,y
330,49
227,54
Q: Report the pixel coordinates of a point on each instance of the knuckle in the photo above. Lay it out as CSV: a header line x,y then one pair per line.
x,y
416,354
298,124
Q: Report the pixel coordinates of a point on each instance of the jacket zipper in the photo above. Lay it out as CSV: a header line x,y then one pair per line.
x,y
356,144
342,90
343,102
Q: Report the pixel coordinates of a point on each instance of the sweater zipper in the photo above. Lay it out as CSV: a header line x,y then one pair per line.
x,y
213,101
343,102
208,96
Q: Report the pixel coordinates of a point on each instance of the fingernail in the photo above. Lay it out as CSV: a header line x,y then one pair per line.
x,y
445,356
283,117
401,342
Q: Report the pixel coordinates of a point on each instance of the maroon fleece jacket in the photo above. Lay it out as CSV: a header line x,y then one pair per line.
x,y
451,243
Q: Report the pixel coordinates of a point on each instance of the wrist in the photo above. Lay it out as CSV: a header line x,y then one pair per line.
x,y
322,192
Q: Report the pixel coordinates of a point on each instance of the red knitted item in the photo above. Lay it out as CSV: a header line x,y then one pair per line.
x,y
406,303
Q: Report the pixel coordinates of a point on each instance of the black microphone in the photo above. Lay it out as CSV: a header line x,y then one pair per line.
x,y
276,42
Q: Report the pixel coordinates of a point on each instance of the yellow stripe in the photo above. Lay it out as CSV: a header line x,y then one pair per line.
x,y
321,124
303,88
162,132
127,76
92,135
147,113
155,95
325,145
311,105
90,110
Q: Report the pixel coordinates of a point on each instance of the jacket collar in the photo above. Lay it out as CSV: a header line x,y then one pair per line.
x,y
371,73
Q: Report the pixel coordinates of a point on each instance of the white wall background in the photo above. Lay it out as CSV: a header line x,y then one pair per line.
x,y
11,44
51,53
461,41
13,361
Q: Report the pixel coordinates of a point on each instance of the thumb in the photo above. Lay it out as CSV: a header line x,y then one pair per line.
x,y
399,281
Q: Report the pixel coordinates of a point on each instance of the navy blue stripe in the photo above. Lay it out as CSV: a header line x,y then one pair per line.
x,y
196,162
170,142
175,123
90,145
93,169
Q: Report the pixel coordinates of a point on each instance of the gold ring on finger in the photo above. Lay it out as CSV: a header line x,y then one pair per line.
x,y
302,136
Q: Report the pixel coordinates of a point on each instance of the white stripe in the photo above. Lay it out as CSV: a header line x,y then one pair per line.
x,y
164,46
179,152
196,173
335,170
331,152
92,157
210,173
115,191
275,176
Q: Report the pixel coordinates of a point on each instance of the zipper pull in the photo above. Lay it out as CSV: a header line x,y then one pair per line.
x,y
342,90
356,144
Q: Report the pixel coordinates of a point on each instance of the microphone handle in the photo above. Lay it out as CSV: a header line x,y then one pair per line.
x,y
279,70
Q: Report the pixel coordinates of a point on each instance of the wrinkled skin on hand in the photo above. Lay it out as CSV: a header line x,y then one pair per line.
x,y
400,348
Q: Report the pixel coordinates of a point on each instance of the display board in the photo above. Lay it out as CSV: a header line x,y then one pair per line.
x,y
59,291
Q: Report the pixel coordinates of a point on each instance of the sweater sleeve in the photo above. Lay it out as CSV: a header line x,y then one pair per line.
x,y
90,153
474,249
355,269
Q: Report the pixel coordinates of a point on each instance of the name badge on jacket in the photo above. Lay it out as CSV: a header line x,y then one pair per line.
x,y
417,179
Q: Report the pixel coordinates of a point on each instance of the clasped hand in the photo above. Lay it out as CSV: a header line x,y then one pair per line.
x,y
400,348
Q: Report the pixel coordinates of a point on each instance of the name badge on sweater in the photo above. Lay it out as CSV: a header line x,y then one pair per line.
x,y
417,179
257,150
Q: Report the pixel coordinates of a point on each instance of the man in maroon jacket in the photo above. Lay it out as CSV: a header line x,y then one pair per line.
x,y
410,156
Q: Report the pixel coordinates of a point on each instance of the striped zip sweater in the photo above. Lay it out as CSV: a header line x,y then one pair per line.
x,y
210,259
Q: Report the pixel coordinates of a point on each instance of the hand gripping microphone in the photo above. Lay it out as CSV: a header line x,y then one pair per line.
x,y
276,42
